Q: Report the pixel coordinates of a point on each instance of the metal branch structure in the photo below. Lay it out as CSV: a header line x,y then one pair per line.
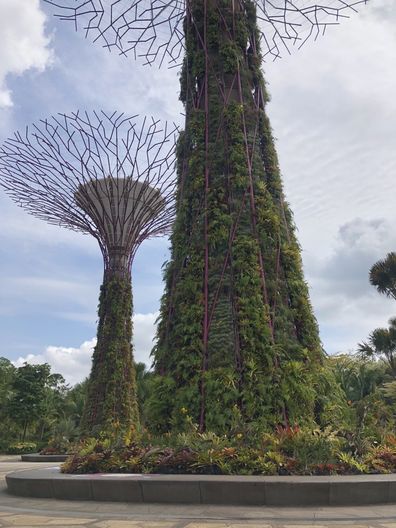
x,y
110,176
153,29
238,344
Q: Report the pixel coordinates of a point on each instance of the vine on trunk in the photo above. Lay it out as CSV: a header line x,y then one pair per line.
x,y
111,404
263,349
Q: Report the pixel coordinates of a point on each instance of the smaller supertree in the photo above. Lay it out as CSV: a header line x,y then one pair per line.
x,y
112,177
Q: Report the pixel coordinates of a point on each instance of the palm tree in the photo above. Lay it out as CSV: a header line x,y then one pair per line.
x,y
382,344
357,376
383,275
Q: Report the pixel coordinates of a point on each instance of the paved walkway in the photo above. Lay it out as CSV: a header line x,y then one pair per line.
x,y
29,513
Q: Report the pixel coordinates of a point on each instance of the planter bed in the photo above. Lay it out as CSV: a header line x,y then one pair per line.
x,y
36,457
206,489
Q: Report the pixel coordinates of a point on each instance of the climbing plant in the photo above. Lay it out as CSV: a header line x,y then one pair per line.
x,y
237,338
111,403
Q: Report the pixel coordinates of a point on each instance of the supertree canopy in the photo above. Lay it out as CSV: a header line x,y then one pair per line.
x,y
112,177
153,29
238,343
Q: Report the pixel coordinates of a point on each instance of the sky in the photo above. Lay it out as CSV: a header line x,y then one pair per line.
x,y
333,112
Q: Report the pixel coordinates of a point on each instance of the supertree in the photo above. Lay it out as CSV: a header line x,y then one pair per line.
x,y
112,177
237,339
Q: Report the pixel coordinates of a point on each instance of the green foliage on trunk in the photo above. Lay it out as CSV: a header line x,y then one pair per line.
x,y
263,352
111,404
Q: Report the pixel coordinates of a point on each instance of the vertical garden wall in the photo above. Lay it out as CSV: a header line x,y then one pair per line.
x,y
237,339
111,404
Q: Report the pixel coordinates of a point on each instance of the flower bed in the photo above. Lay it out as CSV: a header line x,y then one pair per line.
x,y
290,452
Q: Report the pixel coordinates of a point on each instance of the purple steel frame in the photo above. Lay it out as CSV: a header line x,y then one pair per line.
x,y
47,168
153,29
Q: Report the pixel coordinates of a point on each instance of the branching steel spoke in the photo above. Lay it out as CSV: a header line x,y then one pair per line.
x,y
67,169
153,29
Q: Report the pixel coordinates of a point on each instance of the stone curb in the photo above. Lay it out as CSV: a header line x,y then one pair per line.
x,y
36,457
206,489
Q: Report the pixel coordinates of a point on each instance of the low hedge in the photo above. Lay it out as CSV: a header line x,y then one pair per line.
x,y
21,448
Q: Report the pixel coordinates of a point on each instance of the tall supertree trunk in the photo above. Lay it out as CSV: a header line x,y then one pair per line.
x,y
111,404
237,339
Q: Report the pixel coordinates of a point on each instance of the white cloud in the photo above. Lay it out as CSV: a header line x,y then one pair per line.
x,y
24,45
75,363
144,328
334,112
70,299
19,227
346,305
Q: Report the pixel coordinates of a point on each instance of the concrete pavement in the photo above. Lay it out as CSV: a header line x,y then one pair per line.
x,y
26,513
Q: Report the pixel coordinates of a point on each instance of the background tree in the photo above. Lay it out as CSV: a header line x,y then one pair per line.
x,y
27,403
143,384
370,416
74,402
383,275
37,406
381,344
52,406
8,430
7,373
358,377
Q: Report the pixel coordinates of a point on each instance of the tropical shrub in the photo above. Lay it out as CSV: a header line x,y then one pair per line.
x,y
20,448
287,451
